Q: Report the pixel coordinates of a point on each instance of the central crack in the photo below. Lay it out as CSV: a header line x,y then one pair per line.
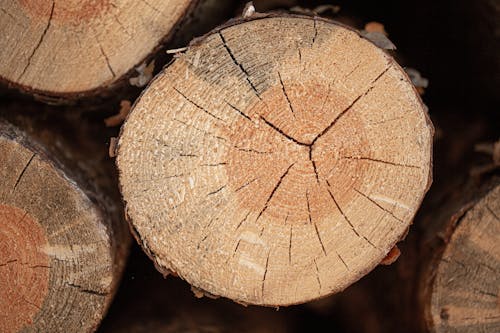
x,y
309,145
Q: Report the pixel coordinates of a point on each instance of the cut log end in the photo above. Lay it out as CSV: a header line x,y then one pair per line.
x,y
58,263
465,292
70,48
277,161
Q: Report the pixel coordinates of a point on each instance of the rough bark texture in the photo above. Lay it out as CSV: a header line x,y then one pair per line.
x,y
63,243
62,50
277,161
460,279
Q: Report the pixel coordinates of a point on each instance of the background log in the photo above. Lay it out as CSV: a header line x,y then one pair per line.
x,y
64,243
63,50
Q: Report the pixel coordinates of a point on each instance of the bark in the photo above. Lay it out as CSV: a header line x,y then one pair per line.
x,y
277,161
64,243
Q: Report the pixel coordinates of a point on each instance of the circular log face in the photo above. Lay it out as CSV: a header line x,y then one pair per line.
x,y
59,47
465,292
276,161
56,257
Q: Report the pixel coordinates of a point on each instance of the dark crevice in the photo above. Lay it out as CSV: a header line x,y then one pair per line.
x,y
87,291
236,247
265,272
241,222
315,225
213,165
319,238
345,264
286,95
40,41
290,246
250,150
239,111
340,209
18,180
341,114
378,205
105,58
380,161
274,191
315,31
313,164
317,274
217,191
197,105
247,76
245,185
277,129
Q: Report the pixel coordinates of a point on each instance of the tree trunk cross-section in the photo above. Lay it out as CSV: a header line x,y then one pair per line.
x,y
464,292
277,161
61,253
68,47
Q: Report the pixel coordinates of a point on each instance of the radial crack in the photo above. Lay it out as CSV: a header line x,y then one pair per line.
x,y
349,107
85,290
245,185
250,150
265,272
380,161
277,129
217,191
274,191
247,76
18,180
105,56
286,95
42,37
241,222
378,205
197,105
317,275
340,210
239,111
343,261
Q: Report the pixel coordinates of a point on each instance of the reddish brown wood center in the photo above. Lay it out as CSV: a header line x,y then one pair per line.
x,y
287,162
24,268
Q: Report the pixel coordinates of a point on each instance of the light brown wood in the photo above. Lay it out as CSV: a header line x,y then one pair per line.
x,y
74,47
62,242
277,161
463,295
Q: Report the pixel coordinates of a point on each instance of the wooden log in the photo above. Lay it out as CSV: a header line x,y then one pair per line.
x,y
459,283
69,49
63,244
277,161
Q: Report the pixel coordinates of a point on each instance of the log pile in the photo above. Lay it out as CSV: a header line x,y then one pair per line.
x,y
262,156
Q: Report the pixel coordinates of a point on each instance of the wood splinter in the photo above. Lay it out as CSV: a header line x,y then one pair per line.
x,y
278,160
